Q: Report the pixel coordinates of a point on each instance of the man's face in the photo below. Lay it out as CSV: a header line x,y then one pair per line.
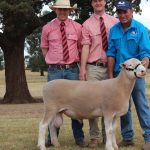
x,y
125,16
62,13
98,5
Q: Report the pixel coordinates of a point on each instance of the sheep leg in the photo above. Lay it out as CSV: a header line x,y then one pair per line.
x,y
41,139
108,129
57,122
42,128
113,133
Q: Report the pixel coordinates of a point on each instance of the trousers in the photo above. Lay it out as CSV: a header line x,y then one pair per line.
x,y
96,73
71,73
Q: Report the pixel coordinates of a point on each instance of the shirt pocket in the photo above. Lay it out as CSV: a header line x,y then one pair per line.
x,y
95,33
54,41
72,41
132,44
95,36
117,41
72,37
53,37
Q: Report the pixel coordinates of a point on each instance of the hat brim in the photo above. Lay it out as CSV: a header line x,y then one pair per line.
x,y
65,7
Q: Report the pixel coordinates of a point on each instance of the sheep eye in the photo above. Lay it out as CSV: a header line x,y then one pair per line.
x,y
130,66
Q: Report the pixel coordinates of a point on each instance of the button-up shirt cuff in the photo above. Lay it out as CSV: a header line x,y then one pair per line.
x,y
143,56
86,42
44,46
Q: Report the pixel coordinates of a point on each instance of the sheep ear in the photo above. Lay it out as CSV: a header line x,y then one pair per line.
x,y
123,65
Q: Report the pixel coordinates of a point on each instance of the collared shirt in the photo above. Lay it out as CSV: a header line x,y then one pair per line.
x,y
51,38
92,36
132,43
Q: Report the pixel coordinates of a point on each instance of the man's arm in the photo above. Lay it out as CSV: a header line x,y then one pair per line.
x,y
111,62
44,51
84,58
144,49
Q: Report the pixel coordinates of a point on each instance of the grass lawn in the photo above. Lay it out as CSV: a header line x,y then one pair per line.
x,y
19,123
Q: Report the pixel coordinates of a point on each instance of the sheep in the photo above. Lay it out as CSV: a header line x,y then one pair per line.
x,y
89,99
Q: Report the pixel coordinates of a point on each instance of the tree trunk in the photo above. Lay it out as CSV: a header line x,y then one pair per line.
x,y
16,84
41,72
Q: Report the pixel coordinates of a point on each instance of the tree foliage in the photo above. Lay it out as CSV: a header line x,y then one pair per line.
x,y
36,59
85,8
19,18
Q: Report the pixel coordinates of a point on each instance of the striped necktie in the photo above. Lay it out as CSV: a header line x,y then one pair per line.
x,y
64,42
103,34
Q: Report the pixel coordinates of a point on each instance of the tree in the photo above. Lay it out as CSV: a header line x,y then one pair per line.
x,y
85,8
36,59
19,18
1,60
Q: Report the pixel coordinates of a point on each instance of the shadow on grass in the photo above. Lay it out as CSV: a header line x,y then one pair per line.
x,y
34,100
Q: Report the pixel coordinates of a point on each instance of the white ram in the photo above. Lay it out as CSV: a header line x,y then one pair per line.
x,y
84,100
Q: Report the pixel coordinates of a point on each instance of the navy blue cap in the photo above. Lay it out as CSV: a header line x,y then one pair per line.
x,y
123,5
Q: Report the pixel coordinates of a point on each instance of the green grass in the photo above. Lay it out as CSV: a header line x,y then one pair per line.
x,y
19,123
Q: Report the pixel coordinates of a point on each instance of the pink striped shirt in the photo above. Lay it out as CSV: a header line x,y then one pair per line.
x,y
51,39
92,36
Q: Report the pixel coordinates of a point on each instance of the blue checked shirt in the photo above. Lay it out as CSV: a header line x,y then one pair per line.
x,y
133,43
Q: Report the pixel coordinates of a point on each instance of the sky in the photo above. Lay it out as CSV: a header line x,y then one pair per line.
x,y
144,17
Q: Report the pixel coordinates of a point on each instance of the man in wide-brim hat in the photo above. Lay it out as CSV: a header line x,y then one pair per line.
x,y
63,4
60,43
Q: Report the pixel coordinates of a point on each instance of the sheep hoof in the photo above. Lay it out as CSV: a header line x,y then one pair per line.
x,y
115,146
109,147
56,143
42,147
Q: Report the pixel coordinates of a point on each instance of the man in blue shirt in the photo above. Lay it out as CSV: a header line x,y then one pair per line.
x,y
129,39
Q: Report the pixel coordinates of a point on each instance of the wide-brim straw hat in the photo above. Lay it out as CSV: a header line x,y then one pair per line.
x,y
63,4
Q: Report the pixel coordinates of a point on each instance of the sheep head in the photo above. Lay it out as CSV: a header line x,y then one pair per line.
x,y
134,68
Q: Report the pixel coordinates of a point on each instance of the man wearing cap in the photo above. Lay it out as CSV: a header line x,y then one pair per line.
x,y
60,43
93,55
129,39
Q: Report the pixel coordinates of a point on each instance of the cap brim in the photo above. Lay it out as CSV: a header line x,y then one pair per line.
x,y
122,8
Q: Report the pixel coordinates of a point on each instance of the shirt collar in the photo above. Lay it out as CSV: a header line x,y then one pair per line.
x,y
132,25
59,22
98,16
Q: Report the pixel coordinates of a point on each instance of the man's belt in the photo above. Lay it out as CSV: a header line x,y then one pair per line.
x,y
98,64
64,66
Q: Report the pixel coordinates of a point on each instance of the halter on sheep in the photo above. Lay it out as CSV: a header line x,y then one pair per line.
x,y
84,100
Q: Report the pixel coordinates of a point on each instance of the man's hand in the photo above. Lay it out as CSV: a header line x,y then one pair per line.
x,y
111,62
44,51
83,74
145,62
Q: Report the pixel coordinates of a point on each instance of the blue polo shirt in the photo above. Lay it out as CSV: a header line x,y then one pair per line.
x,y
132,43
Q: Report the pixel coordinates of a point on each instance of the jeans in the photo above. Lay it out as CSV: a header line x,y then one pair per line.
x,y
71,73
143,112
